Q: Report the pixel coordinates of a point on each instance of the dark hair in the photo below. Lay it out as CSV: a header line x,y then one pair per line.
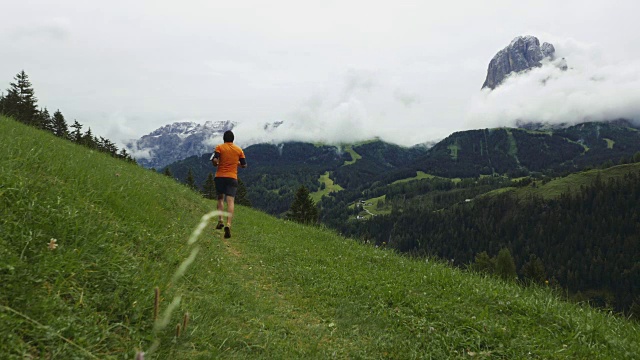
x,y
228,136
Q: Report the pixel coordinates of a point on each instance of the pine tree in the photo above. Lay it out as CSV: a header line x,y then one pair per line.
x,y
76,134
505,267
60,128
209,187
167,171
534,269
89,140
123,154
190,181
484,263
303,209
20,101
241,195
45,121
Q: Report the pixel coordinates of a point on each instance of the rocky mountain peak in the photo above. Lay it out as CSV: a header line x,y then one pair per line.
x,y
523,53
176,141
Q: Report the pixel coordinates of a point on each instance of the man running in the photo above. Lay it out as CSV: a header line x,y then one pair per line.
x,y
227,157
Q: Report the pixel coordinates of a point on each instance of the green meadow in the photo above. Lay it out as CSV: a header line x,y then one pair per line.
x,y
569,183
86,241
354,155
330,187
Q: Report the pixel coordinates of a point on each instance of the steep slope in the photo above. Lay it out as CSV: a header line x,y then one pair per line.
x,y
85,239
522,54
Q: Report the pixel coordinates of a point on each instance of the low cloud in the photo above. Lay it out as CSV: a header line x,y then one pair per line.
x,y
141,154
406,98
595,87
366,104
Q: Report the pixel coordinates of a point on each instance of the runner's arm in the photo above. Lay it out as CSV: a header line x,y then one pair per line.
x,y
215,158
243,162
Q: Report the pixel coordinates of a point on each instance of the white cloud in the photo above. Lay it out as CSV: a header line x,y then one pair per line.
x,y
596,87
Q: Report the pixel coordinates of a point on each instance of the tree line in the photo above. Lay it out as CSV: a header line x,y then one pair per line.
x,y
21,104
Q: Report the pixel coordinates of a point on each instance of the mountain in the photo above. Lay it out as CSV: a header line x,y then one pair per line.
x,y
176,141
522,54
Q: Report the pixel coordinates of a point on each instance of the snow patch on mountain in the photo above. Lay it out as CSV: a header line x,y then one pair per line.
x,y
177,141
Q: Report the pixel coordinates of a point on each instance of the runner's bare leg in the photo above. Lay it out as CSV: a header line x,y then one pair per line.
x,y
220,206
230,208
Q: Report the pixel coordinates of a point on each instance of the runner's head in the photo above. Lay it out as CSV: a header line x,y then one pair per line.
x,y
228,136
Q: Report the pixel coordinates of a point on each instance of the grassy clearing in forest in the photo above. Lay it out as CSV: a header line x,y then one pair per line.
x,y
354,155
330,187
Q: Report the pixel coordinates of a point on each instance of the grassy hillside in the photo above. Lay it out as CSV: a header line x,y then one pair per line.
x,y
329,187
354,155
274,290
569,183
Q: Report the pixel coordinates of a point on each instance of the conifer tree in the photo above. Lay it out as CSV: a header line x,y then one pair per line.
x,y
45,121
241,195
89,140
209,187
505,266
167,172
125,155
60,128
76,134
303,209
20,101
484,263
534,269
190,181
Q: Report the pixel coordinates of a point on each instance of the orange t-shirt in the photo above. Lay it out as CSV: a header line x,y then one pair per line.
x,y
230,155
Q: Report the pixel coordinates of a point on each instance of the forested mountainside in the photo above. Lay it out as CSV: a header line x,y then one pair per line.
x,y
520,152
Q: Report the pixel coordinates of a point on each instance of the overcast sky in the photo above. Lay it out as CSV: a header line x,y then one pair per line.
x,y
406,71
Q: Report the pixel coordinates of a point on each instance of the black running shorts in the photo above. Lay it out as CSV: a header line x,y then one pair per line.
x,y
226,186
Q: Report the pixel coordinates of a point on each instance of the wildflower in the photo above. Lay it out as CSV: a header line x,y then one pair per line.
x,y
53,244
